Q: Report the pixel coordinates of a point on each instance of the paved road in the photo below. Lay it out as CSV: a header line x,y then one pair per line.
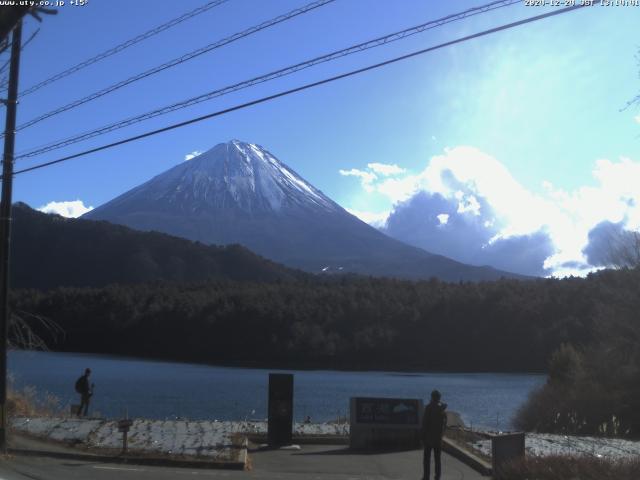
x,y
313,462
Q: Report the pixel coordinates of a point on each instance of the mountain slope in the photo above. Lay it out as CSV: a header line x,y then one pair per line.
x,y
50,251
240,193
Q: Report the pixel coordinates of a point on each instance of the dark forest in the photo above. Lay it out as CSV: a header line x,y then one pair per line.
x,y
345,322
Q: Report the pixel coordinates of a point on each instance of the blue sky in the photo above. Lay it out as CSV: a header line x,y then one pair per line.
x,y
538,106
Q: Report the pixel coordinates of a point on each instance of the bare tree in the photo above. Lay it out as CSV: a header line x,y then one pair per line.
x,y
624,249
23,327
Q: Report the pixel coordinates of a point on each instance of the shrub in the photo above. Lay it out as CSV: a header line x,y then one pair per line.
x,y
564,468
27,402
590,392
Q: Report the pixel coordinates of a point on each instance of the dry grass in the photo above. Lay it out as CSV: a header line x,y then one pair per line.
x,y
571,468
28,402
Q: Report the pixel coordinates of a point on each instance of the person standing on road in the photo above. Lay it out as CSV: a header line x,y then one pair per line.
x,y
85,390
434,422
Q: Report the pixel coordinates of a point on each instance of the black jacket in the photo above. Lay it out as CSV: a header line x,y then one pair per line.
x,y
434,422
83,385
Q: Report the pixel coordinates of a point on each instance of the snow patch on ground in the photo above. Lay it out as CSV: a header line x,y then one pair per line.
x,y
214,439
180,437
299,429
542,444
202,438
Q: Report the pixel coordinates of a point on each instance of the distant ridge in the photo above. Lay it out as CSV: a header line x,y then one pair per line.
x,y
239,192
50,251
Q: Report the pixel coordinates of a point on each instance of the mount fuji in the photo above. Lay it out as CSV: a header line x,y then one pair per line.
x,y
238,192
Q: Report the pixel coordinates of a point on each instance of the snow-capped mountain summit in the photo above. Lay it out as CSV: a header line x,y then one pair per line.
x,y
238,192
238,175
231,176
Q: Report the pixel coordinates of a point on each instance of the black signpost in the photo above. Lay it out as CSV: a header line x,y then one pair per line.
x,y
280,409
124,426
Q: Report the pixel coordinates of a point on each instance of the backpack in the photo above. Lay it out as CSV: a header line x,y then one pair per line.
x,y
79,385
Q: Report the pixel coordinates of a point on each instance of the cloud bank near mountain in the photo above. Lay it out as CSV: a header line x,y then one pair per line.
x,y
466,205
467,232
192,155
69,209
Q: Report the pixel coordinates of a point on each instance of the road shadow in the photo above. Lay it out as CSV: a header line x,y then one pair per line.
x,y
329,452
348,451
80,464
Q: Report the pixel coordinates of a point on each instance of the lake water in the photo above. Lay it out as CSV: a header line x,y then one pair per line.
x,y
165,390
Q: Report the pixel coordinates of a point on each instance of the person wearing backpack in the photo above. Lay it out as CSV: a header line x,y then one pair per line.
x,y
85,390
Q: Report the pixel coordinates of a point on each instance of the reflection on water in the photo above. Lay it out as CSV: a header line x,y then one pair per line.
x,y
161,390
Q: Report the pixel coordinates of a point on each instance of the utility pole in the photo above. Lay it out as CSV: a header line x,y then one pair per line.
x,y
5,223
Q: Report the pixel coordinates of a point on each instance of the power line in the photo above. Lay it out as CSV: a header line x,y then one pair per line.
x,y
179,60
123,46
303,87
4,45
267,77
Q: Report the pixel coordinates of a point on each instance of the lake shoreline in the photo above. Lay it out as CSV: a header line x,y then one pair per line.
x,y
169,390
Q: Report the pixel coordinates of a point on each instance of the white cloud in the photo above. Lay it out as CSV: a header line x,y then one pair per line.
x,y
470,204
477,181
637,119
375,219
191,155
379,172
443,218
477,174
366,178
70,209
386,169
398,189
